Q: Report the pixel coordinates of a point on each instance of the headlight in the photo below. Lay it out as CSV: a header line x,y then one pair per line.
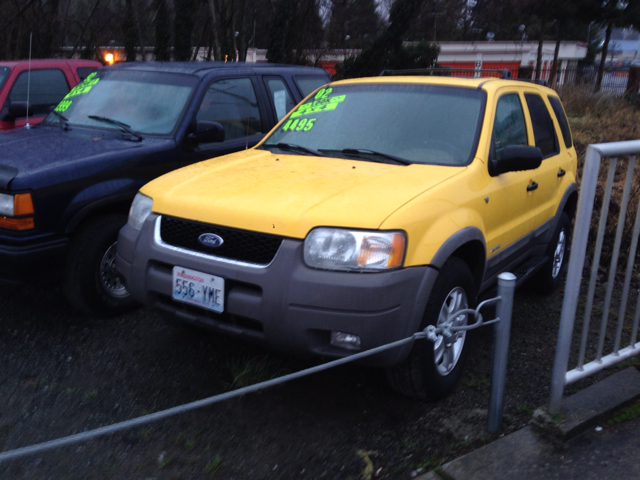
x,y
140,210
6,205
354,250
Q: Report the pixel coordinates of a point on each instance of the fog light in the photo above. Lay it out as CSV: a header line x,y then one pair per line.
x,y
345,340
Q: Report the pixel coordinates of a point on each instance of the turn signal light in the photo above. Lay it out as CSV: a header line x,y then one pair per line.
x,y
23,204
17,223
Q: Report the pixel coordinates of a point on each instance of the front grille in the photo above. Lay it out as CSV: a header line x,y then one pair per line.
x,y
240,245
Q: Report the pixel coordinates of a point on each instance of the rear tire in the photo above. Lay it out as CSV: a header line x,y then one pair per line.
x,y
91,282
549,277
432,370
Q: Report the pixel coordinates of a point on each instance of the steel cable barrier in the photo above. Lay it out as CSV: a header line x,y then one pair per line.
x,y
502,322
590,355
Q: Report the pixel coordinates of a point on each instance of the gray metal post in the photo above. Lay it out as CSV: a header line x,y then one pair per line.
x,y
506,287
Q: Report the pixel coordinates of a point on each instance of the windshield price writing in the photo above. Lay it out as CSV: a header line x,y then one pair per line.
x,y
299,125
322,102
82,87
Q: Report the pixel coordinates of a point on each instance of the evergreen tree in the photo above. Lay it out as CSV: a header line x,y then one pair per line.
x,y
352,24
129,28
162,32
182,28
439,20
295,27
387,51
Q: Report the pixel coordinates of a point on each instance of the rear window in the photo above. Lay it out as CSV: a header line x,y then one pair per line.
x,y
562,120
543,130
84,72
282,99
4,73
44,89
308,83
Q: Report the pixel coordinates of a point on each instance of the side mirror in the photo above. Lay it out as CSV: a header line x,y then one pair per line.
x,y
207,132
516,158
16,110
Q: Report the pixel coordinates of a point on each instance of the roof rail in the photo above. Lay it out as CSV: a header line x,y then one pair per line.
x,y
537,82
445,72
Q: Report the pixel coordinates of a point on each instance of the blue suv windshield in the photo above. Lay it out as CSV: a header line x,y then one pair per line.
x,y
147,102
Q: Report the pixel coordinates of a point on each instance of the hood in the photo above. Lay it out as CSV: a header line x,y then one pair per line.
x,y
40,150
288,195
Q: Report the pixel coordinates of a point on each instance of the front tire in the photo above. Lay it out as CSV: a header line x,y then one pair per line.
x,y
432,370
91,282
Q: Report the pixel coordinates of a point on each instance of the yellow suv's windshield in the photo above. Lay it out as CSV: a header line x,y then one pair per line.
x,y
394,123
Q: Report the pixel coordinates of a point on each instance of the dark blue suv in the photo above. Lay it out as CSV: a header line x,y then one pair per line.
x,y
66,185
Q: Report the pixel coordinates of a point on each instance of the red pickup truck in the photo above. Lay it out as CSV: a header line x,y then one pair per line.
x,y
48,83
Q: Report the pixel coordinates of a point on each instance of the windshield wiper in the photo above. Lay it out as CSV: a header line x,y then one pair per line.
x,y
364,151
293,146
64,121
123,126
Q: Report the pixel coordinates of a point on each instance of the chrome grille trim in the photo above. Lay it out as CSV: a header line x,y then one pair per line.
x,y
158,240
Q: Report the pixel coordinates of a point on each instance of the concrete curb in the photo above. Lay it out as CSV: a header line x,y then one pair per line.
x,y
584,409
533,452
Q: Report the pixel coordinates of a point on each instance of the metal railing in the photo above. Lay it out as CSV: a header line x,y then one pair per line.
x,y
615,80
598,360
502,322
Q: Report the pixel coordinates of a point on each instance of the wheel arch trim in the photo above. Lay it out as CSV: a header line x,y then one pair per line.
x,y
469,245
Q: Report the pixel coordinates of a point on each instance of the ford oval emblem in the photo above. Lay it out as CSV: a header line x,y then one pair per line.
x,y
210,240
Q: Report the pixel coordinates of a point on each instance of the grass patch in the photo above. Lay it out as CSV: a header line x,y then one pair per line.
x,y
526,410
630,413
444,475
428,464
91,395
213,466
475,382
185,442
5,430
251,370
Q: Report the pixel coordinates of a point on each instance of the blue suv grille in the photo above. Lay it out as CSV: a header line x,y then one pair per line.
x,y
240,245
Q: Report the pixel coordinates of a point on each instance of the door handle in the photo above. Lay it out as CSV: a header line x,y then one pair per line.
x,y
532,186
561,173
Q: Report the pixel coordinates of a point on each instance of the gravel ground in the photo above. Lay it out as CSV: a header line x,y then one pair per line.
x,y
62,373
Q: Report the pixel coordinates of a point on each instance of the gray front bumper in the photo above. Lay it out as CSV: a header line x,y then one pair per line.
x,y
285,305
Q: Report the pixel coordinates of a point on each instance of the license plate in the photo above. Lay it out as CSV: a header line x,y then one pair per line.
x,y
198,288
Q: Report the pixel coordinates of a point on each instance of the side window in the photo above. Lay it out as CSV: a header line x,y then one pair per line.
x,y
509,127
46,88
308,83
543,129
562,120
233,103
84,72
279,94
4,73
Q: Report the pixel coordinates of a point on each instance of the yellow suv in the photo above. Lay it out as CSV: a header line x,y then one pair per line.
x,y
377,207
